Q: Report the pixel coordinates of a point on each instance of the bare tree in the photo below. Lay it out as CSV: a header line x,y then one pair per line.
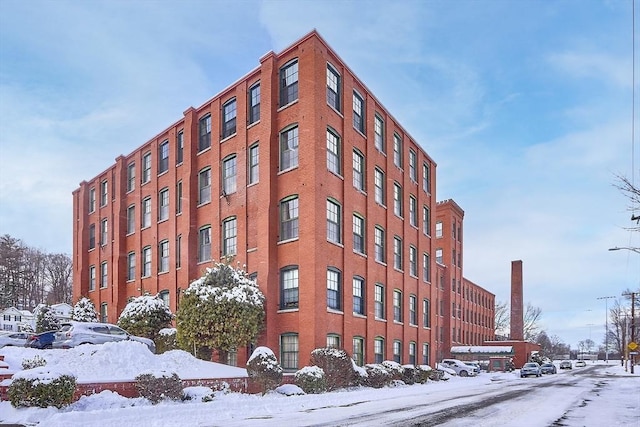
x,y
501,323
58,272
633,194
532,316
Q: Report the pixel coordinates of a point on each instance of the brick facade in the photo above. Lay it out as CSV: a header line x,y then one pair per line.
x,y
320,154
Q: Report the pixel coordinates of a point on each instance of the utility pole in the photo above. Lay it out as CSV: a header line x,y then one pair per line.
x,y
606,328
633,345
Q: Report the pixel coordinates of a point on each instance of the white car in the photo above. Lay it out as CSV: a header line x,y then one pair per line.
x,y
580,364
13,339
461,368
73,334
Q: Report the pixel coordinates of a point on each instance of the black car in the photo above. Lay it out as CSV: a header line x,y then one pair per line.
x,y
42,340
548,368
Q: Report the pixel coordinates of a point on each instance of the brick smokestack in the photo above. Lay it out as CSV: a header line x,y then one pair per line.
x,y
517,311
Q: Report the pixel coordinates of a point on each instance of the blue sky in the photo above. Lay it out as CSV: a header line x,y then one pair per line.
x,y
524,105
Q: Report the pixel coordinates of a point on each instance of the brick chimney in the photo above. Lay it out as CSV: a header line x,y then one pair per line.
x,y
517,311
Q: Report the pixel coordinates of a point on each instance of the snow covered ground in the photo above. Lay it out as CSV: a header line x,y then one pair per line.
x,y
608,396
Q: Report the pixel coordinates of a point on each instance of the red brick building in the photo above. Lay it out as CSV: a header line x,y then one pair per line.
x,y
298,172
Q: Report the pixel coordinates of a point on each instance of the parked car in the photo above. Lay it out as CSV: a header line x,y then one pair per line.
x,y
566,364
13,338
580,363
42,340
73,334
461,368
529,369
475,365
548,368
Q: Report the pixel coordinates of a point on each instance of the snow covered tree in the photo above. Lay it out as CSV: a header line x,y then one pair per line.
x,y
263,368
222,310
84,311
45,319
145,316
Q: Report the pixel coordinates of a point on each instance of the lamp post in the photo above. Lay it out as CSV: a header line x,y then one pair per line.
x,y
606,328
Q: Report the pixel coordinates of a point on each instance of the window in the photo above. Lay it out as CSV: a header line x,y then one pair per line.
x,y
413,261
412,353
178,197
378,182
103,275
334,232
163,198
425,354
439,229
254,157
426,313
378,133
397,351
397,253
229,113
358,234
229,174
163,256
378,350
289,148
397,150
146,212
204,133
333,87
104,192
358,170
426,268
397,306
178,250
289,83
425,178
92,236
333,341
92,200
413,310
289,218
131,177
229,237
104,232
358,112
334,289
131,266
204,244
163,157
204,186
378,242
103,313
378,305
426,221
146,261
92,277
179,147
164,297
333,152
289,351
358,295
254,103
413,211
397,199
358,351
289,287
413,172
146,168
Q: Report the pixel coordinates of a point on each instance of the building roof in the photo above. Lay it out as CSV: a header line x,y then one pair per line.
x,y
482,349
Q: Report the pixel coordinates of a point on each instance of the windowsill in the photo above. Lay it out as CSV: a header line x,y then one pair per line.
x,y
204,150
103,287
288,310
90,212
203,203
427,327
397,322
381,319
338,112
295,101
360,316
145,182
92,249
281,242
381,263
164,172
252,124
336,243
362,254
334,173
360,132
203,262
163,220
253,184
179,163
160,273
145,277
130,281
287,170
145,227
413,325
251,250
399,270
413,276
179,213
226,138
92,290
129,191
382,205
335,311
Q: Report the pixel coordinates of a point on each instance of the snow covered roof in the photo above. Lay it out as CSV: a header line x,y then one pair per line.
x,y
482,349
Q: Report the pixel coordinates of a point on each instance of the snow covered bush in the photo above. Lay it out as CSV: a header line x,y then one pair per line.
x,y
166,340
311,380
34,362
159,385
395,369
423,373
337,367
45,319
377,376
41,387
263,368
145,316
223,310
84,311
198,394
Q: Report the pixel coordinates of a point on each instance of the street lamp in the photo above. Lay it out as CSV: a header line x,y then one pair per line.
x,y
606,328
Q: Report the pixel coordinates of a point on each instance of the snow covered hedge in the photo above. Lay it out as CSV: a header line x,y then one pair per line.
x,y
311,379
145,316
159,385
84,311
336,365
41,387
264,369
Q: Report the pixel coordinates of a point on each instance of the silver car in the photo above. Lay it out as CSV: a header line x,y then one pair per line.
x,y
13,339
529,369
73,334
